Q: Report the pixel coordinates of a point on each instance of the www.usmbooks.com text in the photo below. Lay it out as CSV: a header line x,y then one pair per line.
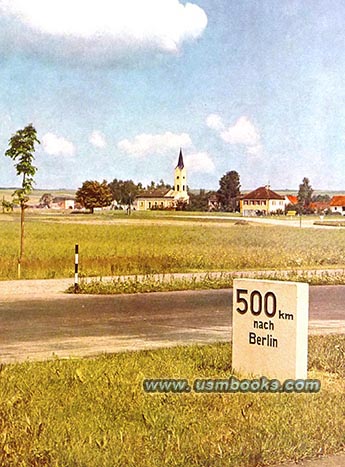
x,y
231,385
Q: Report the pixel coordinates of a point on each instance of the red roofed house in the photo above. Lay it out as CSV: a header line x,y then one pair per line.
x,y
291,199
319,207
261,202
337,205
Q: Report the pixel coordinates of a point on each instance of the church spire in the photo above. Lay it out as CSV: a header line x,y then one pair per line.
x,y
180,163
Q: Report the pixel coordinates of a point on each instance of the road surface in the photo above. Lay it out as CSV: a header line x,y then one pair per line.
x,y
69,325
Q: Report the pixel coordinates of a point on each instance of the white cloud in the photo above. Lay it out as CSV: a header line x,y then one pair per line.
x,y
215,122
255,150
57,145
243,132
101,30
147,144
97,139
199,162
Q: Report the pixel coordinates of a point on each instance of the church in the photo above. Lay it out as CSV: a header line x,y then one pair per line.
x,y
166,199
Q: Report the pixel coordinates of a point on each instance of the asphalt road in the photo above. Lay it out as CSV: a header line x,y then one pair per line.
x,y
86,325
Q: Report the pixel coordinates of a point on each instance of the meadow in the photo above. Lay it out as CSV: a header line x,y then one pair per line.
x,y
147,244
94,412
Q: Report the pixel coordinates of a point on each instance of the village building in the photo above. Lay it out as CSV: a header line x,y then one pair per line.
x,y
337,205
316,207
319,207
168,198
291,205
291,199
63,202
261,202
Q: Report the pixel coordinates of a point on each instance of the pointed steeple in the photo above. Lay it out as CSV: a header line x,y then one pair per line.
x,y
180,163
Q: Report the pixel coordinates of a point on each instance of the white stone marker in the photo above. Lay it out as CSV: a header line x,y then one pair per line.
x,y
270,328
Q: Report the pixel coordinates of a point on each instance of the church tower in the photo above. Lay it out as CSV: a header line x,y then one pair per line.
x,y
180,179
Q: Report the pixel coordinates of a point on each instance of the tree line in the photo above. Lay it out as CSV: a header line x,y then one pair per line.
x,y
226,198
119,193
93,194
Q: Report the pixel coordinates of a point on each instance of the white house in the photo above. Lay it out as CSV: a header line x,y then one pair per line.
x,y
337,205
63,202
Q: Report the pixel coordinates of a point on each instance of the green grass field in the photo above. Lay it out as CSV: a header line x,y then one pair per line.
x,y
146,244
94,412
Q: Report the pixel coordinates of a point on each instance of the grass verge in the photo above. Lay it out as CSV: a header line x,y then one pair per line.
x,y
89,412
330,223
169,283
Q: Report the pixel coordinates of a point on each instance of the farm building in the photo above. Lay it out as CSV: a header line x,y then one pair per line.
x,y
337,205
165,199
63,202
261,202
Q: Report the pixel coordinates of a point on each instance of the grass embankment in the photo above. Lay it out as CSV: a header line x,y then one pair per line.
x,y
330,223
94,412
146,284
140,246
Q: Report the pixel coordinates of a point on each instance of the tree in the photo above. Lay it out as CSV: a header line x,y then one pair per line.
x,y
21,149
7,206
162,185
304,196
94,194
152,185
321,198
46,200
124,192
181,205
229,190
198,202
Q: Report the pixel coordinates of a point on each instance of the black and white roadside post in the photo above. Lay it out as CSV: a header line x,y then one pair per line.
x,y
76,267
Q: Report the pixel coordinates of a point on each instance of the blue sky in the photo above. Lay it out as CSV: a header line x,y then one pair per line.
x,y
116,87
